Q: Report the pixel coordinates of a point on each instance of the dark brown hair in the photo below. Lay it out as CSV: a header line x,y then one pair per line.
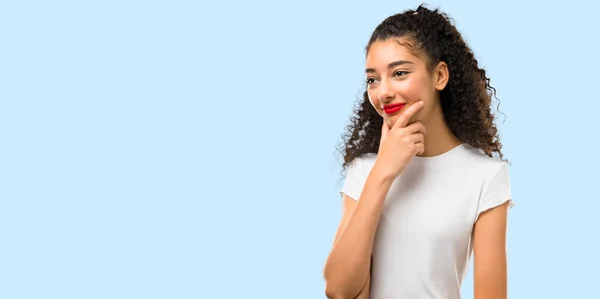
x,y
466,100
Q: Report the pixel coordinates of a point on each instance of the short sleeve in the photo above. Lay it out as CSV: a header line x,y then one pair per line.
x,y
496,191
353,183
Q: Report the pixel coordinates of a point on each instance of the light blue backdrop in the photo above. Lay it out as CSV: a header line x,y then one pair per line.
x,y
180,149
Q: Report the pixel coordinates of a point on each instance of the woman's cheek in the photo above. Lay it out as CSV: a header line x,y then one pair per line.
x,y
409,90
375,103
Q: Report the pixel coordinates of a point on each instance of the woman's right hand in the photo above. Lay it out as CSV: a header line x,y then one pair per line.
x,y
400,143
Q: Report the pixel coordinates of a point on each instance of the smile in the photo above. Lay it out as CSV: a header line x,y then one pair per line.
x,y
393,108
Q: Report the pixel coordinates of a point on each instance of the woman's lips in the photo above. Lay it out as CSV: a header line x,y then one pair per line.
x,y
393,108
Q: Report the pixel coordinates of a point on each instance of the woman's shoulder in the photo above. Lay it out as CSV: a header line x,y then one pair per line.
x,y
362,164
479,160
364,160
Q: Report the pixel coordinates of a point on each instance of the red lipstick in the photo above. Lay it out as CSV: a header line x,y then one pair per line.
x,y
393,108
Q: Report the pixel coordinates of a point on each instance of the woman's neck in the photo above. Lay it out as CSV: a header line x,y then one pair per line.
x,y
438,137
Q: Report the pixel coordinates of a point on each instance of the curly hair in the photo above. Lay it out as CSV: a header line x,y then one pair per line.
x,y
466,98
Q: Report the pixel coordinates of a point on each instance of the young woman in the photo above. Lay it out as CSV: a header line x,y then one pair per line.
x,y
426,184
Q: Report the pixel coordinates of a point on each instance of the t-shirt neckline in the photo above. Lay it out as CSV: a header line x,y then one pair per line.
x,y
441,156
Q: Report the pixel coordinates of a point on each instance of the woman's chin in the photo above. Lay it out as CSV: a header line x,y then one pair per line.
x,y
390,120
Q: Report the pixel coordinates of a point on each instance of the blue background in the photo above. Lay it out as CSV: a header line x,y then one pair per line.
x,y
182,149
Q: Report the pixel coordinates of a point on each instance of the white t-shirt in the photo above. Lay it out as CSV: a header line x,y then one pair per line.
x,y
423,243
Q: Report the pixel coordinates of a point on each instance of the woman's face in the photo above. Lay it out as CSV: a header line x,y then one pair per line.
x,y
396,79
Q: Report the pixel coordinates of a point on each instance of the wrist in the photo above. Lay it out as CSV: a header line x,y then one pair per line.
x,y
381,177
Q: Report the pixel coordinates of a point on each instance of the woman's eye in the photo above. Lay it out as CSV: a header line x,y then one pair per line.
x,y
370,81
400,73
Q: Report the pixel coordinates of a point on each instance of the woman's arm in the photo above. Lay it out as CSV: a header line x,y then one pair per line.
x,y
365,292
489,246
348,207
348,265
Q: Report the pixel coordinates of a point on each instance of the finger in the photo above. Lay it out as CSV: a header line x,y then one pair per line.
x,y
417,138
407,114
420,148
416,127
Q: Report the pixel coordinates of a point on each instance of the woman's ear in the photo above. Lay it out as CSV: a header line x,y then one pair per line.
x,y
441,75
